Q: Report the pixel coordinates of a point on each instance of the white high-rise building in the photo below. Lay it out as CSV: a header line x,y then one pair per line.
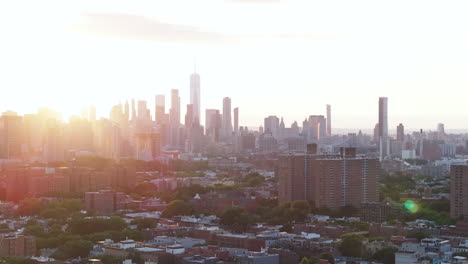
x,y
384,141
227,121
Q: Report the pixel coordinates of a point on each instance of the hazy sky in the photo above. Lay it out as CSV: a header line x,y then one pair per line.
x,y
284,58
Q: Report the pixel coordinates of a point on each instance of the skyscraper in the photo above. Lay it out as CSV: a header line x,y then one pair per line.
x,y
175,107
133,110
143,113
189,116
383,128
329,121
11,127
227,121
212,124
317,127
440,130
236,120
160,108
195,96
174,117
400,132
127,111
92,113
271,124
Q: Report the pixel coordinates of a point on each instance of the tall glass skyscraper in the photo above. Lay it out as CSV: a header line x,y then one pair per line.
x,y
195,96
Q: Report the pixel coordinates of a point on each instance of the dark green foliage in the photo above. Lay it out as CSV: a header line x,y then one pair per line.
x,y
73,249
145,189
30,206
385,255
253,180
438,212
144,223
83,226
237,215
351,245
177,207
418,235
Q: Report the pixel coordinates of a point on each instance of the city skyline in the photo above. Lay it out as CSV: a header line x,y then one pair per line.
x,y
74,54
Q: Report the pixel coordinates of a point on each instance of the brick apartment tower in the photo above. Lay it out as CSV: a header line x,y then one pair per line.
x,y
328,180
459,190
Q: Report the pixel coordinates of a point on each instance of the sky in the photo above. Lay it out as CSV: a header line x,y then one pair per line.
x,y
272,57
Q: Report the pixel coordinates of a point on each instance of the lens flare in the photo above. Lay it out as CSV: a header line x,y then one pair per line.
x,y
411,206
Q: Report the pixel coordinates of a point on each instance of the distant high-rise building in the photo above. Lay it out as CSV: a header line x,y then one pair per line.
x,y
160,109
92,113
329,124
376,133
127,111
271,125
143,110
383,128
400,132
189,116
134,115
227,121
148,146
195,97
175,107
11,127
236,119
317,128
330,181
213,124
440,130
459,190
174,117
85,113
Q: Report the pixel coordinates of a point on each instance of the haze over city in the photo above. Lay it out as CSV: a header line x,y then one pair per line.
x,y
287,58
233,132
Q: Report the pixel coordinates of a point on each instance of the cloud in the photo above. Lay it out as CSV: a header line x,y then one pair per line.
x,y
136,27
126,26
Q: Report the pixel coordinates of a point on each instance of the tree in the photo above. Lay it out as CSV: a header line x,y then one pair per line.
x,y
74,249
351,245
237,215
56,213
34,230
360,226
30,206
144,223
300,210
305,260
385,255
177,207
418,235
85,226
253,179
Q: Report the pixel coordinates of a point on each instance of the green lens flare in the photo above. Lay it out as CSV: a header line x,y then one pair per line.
x,y
411,206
